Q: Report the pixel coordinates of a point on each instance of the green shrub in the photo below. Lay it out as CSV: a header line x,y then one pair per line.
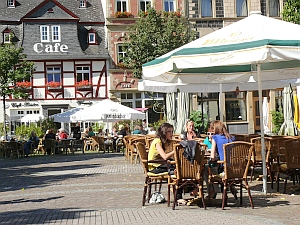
x,y
196,116
277,120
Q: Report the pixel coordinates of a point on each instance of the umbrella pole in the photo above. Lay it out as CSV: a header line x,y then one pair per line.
x,y
221,102
263,147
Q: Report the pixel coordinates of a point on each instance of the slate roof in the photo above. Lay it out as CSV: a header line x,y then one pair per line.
x,y
92,13
73,33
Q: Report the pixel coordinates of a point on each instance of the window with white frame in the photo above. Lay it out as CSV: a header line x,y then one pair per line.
x,y
121,53
144,4
82,73
6,37
44,30
121,6
55,33
11,3
54,74
92,37
169,5
206,8
82,4
45,33
241,8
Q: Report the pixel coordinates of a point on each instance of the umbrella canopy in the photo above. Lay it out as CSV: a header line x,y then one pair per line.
x,y
171,108
107,110
65,117
31,118
250,47
233,53
288,127
296,113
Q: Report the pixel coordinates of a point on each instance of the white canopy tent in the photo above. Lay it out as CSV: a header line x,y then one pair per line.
x,y
31,118
262,47
65,117
107,110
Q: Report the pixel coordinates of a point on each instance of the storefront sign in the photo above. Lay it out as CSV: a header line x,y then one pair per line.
x,y
48,48
26,104
115,116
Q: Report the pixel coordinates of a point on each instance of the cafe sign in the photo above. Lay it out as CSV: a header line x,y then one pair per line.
x,y
49,48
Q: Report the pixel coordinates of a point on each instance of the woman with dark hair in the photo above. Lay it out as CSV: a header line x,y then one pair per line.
x,y
157,151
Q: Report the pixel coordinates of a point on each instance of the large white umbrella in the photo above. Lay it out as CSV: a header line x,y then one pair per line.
x,y
31,118
65,117
107,110
261,46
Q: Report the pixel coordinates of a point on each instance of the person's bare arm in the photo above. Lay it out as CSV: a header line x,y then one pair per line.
x,y
162,153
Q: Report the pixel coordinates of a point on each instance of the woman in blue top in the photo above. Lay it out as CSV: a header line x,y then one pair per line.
x,y
221,136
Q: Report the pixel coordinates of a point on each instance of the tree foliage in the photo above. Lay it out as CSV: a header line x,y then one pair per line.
x,y
153,35
291,11
13,68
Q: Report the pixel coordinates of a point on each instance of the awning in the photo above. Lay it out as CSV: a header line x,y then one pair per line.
x,y
141,109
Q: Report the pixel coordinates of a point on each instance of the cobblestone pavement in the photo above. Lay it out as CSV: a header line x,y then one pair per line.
x,y
106,189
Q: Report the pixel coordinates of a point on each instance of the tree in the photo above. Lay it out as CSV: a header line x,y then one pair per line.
x,y
153,35
291,11
13,69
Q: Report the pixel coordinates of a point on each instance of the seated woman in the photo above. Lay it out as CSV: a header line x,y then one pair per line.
x,y
157,151
190,132
50,135
208,139
91,132
221,136
136,130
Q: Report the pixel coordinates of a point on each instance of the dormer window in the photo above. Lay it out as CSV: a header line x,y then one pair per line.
x,y
7,36
82,3
92,38
11,3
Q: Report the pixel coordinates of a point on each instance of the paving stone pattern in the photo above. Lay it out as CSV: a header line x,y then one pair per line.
x,y
105,189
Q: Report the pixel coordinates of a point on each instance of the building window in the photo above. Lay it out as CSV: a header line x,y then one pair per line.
x,y
206,8
7,35
44,30
169,5
55,33
235,106
20,112
241,8
11,3
144,4
82,73
92,38
273,7
53,74
121,53
82,4
121,5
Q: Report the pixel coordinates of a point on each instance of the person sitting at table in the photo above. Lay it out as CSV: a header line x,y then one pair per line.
x,y
164,136
208,139
100,132
63,134
50,135
32,142
221,136
190,132
91,132
136,130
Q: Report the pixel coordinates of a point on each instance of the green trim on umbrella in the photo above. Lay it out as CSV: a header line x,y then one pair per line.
x,y
224,48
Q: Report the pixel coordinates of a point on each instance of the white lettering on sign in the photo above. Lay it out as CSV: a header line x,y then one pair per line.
x,y
126,86
39,48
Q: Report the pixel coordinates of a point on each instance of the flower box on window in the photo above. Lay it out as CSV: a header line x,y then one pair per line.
x,y
84,84
123,15
24,84
54,85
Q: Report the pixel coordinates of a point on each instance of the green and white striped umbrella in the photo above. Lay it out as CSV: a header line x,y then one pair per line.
x,y
267,48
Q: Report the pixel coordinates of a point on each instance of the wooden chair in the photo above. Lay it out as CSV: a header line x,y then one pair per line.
x,y
133,154
239,137
237,160
149,140
87,144
14,148
186,173
49,144
289,161
77,145
126,145
250,136
94,143
257,154
150,178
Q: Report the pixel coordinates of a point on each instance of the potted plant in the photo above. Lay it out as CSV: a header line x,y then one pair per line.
x,y
24,84
123,14
53,85
83,84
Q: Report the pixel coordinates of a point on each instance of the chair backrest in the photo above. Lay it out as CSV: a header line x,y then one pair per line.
x,y
95,140
149,140
184,168
239,137
49,143
237,159
257,148
141,149
292,153
250,136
